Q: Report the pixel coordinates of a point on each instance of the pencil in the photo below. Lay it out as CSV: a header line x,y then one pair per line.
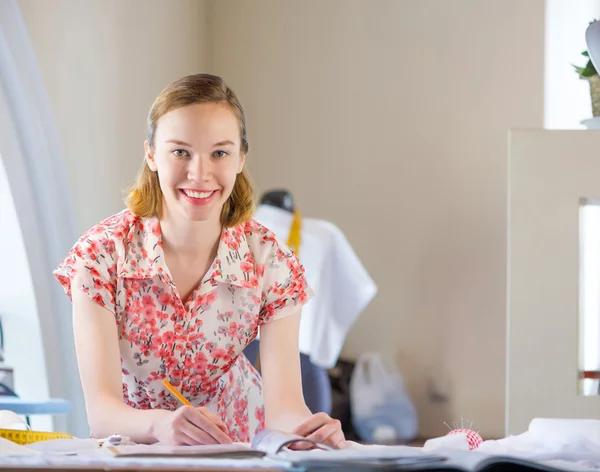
x,y
174,391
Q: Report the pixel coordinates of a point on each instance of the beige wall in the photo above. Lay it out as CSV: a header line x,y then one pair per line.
x,y
103,63
390,119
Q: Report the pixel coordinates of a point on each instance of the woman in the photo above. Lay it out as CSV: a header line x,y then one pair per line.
x,y
176,286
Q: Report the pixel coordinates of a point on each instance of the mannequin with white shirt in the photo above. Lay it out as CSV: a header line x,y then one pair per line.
x,y
341,284
315,381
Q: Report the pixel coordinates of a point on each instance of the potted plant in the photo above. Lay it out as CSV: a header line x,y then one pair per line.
x,y
589,73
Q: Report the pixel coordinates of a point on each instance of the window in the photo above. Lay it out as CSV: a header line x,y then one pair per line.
x,y
589,293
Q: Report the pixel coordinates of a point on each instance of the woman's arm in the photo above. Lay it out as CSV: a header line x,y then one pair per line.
x,y
99,361
285,408
280,368
97,348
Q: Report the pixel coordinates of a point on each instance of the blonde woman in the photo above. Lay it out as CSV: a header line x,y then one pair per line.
x,y
175,286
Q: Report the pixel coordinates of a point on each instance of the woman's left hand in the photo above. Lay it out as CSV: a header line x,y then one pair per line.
x,y
320,428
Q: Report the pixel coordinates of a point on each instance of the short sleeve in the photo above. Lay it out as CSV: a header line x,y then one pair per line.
x,y
92,258
284,288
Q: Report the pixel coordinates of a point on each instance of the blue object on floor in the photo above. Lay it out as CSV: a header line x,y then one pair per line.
x,y
315,381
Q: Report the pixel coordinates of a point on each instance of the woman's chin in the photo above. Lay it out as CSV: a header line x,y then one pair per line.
x,y
202,214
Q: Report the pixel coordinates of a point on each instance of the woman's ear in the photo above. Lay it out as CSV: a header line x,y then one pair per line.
x,y
149,156
242,162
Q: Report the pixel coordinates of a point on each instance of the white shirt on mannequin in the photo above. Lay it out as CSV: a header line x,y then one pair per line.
x,y
342,287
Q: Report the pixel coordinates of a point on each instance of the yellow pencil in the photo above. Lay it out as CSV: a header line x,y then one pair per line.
x,y
174,391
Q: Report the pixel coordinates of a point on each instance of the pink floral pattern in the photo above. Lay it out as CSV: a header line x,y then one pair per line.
x,y
196,345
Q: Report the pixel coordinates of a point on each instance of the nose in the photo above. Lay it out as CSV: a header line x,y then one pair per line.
x,y
200,169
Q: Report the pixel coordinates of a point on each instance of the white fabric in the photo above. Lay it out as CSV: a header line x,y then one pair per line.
x,y
569,444
342,287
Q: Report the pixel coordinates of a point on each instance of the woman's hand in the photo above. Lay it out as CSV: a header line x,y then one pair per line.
x,y
320,428
189,426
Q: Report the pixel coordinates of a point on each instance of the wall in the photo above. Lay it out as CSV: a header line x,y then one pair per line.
x,y
390,119
103,64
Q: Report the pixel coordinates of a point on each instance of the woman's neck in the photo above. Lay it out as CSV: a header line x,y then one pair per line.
x,y
190,239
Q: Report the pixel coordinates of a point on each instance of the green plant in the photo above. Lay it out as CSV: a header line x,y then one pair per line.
x,y
589,70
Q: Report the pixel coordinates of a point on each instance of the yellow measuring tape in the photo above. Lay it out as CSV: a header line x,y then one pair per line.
x,y
294,239
27,437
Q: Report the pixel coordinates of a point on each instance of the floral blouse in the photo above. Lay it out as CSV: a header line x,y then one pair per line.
x,y
197,344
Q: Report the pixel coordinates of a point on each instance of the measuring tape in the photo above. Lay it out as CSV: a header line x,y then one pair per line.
x,y
294,239
27,437
9,420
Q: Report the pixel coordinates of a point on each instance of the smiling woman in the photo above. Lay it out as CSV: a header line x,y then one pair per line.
x,y
199,177
177,285
190,111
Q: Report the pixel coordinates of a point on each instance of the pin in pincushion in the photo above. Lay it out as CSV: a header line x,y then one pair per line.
x,y
473,437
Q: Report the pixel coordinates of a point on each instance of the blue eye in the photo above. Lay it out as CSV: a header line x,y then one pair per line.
x,y
181,153
220,154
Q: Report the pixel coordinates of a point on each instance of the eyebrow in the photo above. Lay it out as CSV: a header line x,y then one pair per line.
x,y
183,143
177,141
224,143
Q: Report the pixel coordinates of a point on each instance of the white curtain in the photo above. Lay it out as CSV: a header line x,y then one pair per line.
x,y
37,178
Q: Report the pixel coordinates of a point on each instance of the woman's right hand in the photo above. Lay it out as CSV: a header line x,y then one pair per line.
x,y
189,426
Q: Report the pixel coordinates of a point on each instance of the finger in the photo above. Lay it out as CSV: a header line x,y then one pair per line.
x,y
335,440
182,439
322,434
301,446
339,441
199,419
196,435
216,419
216,431
311,424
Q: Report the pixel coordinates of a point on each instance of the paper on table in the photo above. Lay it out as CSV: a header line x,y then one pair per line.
x,y
103,458
235,450
271,441
64,446
9,448
356,452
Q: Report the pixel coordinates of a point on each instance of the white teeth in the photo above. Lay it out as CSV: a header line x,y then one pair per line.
x,y
193,194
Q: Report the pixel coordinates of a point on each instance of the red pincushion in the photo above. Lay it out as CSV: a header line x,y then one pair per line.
x,y
473,438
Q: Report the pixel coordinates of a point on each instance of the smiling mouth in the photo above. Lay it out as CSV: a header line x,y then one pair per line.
x,y
199,198
196,194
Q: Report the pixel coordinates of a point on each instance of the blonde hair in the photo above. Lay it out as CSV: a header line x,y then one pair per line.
x,y
145,196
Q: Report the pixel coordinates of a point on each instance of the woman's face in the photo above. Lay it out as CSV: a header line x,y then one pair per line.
x,y
197,156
